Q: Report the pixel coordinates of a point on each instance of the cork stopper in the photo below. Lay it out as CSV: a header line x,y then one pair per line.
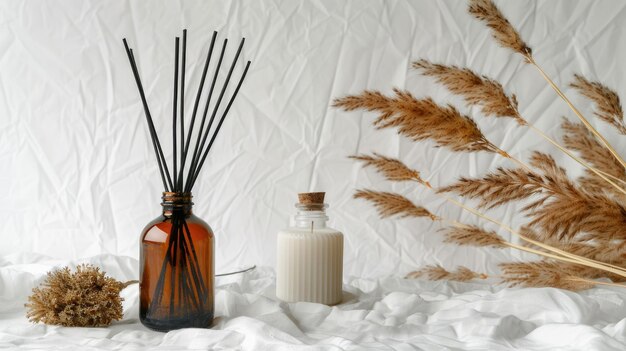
x,y
311,198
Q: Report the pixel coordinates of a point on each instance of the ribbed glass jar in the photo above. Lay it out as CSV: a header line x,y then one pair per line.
x,y
310,259
177,268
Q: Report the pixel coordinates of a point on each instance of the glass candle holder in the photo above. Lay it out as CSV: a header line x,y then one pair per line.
x,y
310,256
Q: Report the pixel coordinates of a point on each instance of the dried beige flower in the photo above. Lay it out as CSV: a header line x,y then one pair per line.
x,y
490,95
562,209
393,169
84,298
498,187
540,274
421,119
473,236
610,251
579,139
501,29
475,89
462,274
609,108
390,204
565,209
578,226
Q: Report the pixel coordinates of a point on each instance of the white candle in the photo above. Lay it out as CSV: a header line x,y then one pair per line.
x,y
310,256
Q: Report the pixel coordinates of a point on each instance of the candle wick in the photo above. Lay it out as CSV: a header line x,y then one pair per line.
x,y
311,226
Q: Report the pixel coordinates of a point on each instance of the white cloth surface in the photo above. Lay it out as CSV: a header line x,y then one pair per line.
x,y
376,314
80,179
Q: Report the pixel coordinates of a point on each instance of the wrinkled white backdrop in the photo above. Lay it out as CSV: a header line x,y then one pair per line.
x,y
79,176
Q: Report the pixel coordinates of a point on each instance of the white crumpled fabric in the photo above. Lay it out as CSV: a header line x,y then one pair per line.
x,y
377,314
79,177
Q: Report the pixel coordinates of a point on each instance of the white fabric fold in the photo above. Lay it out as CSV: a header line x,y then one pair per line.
x,y
377,314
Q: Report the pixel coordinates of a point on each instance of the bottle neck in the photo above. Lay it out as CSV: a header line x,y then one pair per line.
x,y
311,217
176,203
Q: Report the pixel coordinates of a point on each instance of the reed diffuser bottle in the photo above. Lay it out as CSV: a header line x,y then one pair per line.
x,y
177,248
177,268
310,256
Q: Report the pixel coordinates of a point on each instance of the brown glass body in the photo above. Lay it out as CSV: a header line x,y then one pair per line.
x,y
177,268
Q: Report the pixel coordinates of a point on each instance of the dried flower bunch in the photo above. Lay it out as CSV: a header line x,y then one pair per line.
x,y
84,298
576,226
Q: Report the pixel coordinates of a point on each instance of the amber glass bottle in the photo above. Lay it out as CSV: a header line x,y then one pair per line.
x,y
177,268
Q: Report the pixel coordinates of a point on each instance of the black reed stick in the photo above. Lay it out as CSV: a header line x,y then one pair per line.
x,y
194,256
192,276
193,175
182,109
155,138
133,64
159,289
173,262
153,133
196,104
215,108
184,294
206,109
175,110
154,145
219,125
